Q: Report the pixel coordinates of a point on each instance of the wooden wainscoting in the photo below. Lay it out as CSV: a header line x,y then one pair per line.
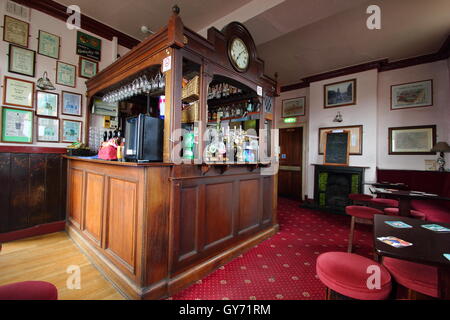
x,y
33,191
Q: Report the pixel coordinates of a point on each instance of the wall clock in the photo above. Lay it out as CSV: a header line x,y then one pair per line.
x,y
239,54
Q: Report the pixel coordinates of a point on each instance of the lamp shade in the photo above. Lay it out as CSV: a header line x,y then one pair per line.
x,y
441,147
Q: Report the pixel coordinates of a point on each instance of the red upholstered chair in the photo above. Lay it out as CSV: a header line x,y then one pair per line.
x,y
29,290
381,203
359,214
347,274
414,276
358,198
414,213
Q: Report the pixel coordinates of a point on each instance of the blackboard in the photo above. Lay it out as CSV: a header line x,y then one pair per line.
x,y
337,148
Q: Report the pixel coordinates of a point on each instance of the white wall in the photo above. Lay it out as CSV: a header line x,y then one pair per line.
x,y
438,114
363,113
373,112
40,21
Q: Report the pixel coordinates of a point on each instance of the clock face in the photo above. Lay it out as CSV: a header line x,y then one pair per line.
x,y
239,54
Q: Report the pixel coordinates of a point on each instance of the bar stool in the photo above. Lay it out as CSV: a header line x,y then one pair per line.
x,y
381,203
415,277
358,198
414,213
29,290
346,277
359,214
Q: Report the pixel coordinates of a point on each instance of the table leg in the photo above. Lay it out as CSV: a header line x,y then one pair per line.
x,y
444,283
404,207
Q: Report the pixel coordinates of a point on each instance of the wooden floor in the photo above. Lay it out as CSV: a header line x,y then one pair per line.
x,y
46,258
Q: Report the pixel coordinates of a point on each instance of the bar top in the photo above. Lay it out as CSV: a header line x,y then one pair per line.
x,y
118,163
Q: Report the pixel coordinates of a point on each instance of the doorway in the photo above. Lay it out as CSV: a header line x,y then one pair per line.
x,y
291,163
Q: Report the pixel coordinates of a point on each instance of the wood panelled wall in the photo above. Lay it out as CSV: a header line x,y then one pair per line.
x,y
33,190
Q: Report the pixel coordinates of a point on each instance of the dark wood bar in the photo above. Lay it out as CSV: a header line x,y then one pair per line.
x,y
154,228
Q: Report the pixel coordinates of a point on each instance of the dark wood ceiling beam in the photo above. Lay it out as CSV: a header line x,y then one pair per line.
x,y
59,11
381,65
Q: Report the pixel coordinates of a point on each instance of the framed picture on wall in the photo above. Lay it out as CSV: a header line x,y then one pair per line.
x,y
16,31
17,125
21,61
49,44
47,129
70,130
47,104
66,74
293,107
72,103
356,138
18,92
87,68
412,95
339,94
412,140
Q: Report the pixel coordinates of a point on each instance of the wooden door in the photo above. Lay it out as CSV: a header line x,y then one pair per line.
x,y
290,173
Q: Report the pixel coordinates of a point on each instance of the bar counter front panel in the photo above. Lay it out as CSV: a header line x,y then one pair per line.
x,y
155,229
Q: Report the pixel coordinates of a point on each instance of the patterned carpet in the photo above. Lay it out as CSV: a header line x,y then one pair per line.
x,y
283,267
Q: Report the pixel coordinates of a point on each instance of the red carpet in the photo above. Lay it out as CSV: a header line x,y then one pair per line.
x,y
283,267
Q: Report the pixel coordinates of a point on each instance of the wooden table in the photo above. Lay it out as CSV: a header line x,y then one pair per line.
x,y
404,198
428,246
389,185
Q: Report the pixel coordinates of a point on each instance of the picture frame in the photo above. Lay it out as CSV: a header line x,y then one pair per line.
x,y
17,125
293,107
87,68
21,61
89,46
16,31
409,95
340,94
49,44
47,129
18,92
71,130
72,104
47,104
356,138
66,74
414,140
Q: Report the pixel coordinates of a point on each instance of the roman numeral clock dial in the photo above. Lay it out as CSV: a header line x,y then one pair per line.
x,y
239,54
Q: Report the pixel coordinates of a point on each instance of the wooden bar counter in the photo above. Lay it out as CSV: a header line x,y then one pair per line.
x,y
155,228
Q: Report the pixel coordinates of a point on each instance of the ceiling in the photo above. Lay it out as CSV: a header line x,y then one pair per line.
x,y
296,38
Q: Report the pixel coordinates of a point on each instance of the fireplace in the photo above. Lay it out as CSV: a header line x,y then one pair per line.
x,y
333,184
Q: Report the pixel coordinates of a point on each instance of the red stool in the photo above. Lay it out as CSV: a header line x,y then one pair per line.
x,y
384,203
414,213
359,214
29,290
347,274
358,198
414,276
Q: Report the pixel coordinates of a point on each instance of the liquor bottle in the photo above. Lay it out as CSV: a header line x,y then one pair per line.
x,y
105,136
249,106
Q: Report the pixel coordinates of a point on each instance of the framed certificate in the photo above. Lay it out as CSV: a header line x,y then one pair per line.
x,y
72,104
70,130
16,31
18,92
66,74
87,68
17,125
21,61
47,129
48,44
47,104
